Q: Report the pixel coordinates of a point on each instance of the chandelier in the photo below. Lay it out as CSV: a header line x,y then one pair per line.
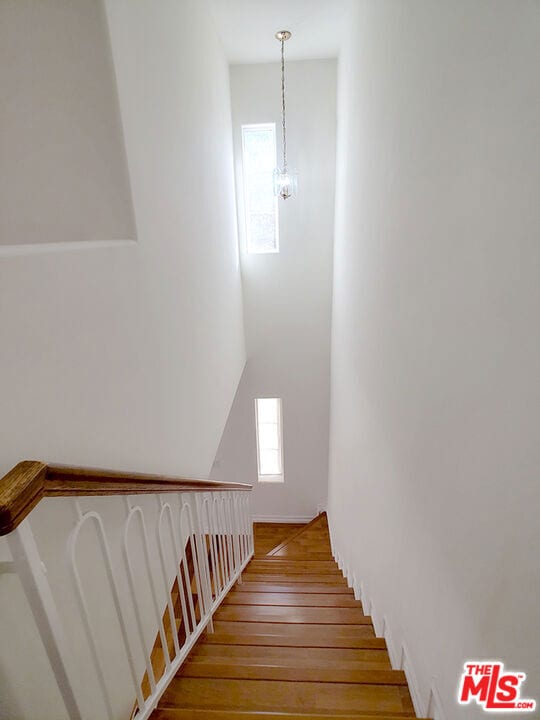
x,y
285,181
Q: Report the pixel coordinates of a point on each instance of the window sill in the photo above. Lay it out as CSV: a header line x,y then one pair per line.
x,y
271,479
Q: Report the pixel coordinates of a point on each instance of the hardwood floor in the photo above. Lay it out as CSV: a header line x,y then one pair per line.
x,y
290,642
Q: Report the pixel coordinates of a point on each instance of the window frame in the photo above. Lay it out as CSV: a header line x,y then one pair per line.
x,y
262,478
249,248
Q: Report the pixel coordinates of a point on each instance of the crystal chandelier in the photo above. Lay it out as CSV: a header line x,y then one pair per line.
x,y
285,181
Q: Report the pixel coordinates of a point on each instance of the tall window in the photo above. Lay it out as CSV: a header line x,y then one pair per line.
x,y
268,417
259,161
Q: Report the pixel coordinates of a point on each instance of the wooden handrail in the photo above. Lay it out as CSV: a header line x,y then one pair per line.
x,y
30,481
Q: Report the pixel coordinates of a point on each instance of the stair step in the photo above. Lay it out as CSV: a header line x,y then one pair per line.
x,y
282,565
299,554
293,629
306,641
283,613
293,587
285,696
345,658
271,671
291,599
194,714
297,562
278,576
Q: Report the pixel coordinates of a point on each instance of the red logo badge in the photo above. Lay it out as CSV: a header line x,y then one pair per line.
x,y
493,687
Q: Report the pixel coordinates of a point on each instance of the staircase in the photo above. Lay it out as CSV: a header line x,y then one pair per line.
x,y
289,642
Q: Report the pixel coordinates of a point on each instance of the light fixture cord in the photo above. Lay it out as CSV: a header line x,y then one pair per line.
x,y
283,105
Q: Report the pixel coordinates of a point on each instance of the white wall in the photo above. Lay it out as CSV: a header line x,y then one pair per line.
x,y
128,355
63,175
435,397
125,355
287,296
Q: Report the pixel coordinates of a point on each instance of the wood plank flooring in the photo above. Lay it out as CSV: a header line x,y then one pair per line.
x,y
290,642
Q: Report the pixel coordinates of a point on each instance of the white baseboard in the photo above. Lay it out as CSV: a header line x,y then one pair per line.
x,y
365,600
378,624
414,689
393,651
435,707
282,518
399,655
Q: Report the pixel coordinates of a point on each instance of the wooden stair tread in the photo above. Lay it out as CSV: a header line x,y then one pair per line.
x,y
283,613
370,641
292,656
295,565
225,694
292,629
275,671
295,599
170,713
293,587
277,576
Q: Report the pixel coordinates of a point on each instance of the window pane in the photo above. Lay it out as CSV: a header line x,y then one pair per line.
x,y
270,462
259,161
261,237
267,410
269,439
261,196
268,436
258,149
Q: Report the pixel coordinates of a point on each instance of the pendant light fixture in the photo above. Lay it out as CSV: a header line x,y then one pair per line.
x,y
285,181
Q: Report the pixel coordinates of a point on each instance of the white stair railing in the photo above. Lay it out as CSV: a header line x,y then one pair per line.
x,y
138,583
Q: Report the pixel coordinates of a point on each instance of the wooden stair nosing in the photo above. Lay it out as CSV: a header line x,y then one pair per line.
x,y
298,577
328,564
170,713
298,599
293,587
296,656
271,695
282,627
301,563
360,643
292,615
291,674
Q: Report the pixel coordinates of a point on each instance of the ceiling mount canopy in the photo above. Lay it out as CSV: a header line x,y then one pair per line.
x,y
282,35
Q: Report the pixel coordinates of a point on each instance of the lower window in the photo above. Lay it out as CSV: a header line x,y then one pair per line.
x,y
269,425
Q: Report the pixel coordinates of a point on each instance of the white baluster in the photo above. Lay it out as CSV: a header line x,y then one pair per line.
x,y
132,513
184,538
195,555
219,541
165,508
204,569
83,606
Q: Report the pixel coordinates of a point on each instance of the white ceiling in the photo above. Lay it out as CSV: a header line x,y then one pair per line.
x,y
247,28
